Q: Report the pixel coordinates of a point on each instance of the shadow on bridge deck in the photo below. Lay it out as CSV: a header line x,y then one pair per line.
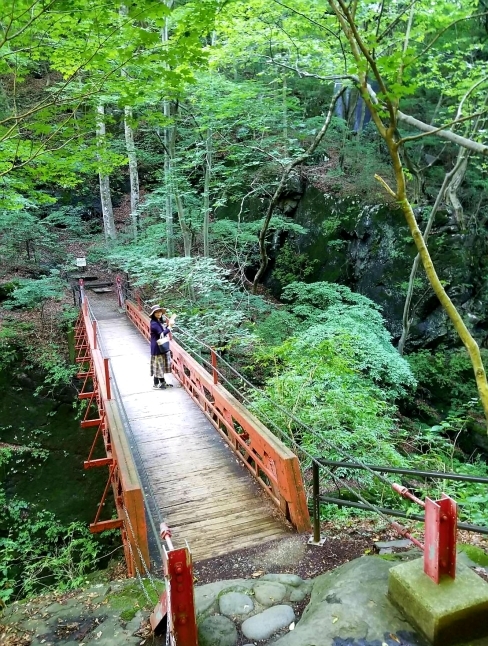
x,y
198,486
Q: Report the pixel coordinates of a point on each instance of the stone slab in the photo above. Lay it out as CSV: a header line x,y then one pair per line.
x,y
269,593
217,631
235,603
267,623
455,610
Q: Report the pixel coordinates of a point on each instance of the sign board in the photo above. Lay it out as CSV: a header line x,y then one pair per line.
x,y
81,262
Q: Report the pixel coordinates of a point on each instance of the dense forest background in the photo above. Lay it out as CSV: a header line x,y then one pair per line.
x,y
304,183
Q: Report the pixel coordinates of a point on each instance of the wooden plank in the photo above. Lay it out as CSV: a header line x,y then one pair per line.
x,y
209,518
220,538
230,521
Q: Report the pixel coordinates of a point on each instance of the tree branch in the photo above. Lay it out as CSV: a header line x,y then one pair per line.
x,y
443,134
443,31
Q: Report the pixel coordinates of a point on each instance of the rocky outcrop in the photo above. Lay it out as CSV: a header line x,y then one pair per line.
x,y
369,249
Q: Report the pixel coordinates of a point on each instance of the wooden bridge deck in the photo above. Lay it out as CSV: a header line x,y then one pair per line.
x,y
202,491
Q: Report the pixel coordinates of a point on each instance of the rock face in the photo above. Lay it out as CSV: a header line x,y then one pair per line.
x,y
217,631
348,607
235,603
369,249
268,594
105,614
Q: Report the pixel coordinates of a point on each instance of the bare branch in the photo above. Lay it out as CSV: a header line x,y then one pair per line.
x,y
387,188
426,129
393,24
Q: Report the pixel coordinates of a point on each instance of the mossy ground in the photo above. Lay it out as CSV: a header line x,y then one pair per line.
x,y
476,554
132,598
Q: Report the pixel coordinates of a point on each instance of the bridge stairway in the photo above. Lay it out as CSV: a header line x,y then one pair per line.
x,y
200,488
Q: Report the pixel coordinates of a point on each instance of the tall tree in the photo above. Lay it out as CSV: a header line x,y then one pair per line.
x,y
391,75
131,152
104,179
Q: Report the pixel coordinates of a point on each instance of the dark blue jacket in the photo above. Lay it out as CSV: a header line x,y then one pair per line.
x,y
156,330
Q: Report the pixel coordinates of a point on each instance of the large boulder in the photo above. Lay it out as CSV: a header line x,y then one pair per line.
x,y
349,606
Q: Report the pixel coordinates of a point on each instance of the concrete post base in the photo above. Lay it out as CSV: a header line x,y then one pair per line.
x,y
455,610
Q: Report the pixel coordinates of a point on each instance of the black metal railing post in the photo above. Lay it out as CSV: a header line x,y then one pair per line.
x,y
316,502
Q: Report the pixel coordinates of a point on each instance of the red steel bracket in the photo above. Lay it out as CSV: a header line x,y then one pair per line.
x,y
175,611
440,537
440,534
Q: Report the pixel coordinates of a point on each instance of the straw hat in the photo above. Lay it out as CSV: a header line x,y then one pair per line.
x,y
156,308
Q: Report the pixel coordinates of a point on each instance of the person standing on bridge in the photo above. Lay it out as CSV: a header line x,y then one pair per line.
x,y
159,355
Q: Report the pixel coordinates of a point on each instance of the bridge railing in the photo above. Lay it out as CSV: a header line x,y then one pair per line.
x,y
102,414
275,467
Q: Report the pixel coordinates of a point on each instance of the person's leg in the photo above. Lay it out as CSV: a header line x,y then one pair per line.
x,y
167,369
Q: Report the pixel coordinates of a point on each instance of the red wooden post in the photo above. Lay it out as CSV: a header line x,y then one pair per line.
x,y
107,378
175,610
120,296
214,366
440,534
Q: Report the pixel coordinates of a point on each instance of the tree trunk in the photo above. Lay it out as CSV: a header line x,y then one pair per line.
x,y
131,154
365,59
170,236
459,325
185,229
206,194
168,139
133,170
285,114
407,319
451,192
105,194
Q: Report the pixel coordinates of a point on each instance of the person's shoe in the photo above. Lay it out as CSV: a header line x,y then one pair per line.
x,y
167,385
162,386
156,386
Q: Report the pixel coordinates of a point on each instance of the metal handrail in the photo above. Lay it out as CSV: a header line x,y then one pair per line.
x,y
317,498
439,475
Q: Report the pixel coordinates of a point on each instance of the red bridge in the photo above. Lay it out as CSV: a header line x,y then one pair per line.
x,y
191,456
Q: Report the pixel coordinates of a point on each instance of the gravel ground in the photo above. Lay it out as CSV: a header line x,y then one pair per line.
x,y
290,555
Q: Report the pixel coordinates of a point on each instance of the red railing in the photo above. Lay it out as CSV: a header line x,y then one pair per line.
x,y
271,462
102,413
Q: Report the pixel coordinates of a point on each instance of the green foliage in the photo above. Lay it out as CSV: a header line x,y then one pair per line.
x,y
291,266
9,342
319,382
50,360
278,326
445,374
38,552
353,324
337,371
32,293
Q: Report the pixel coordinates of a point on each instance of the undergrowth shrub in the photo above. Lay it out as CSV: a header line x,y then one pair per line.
x,y
38,552
355,327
